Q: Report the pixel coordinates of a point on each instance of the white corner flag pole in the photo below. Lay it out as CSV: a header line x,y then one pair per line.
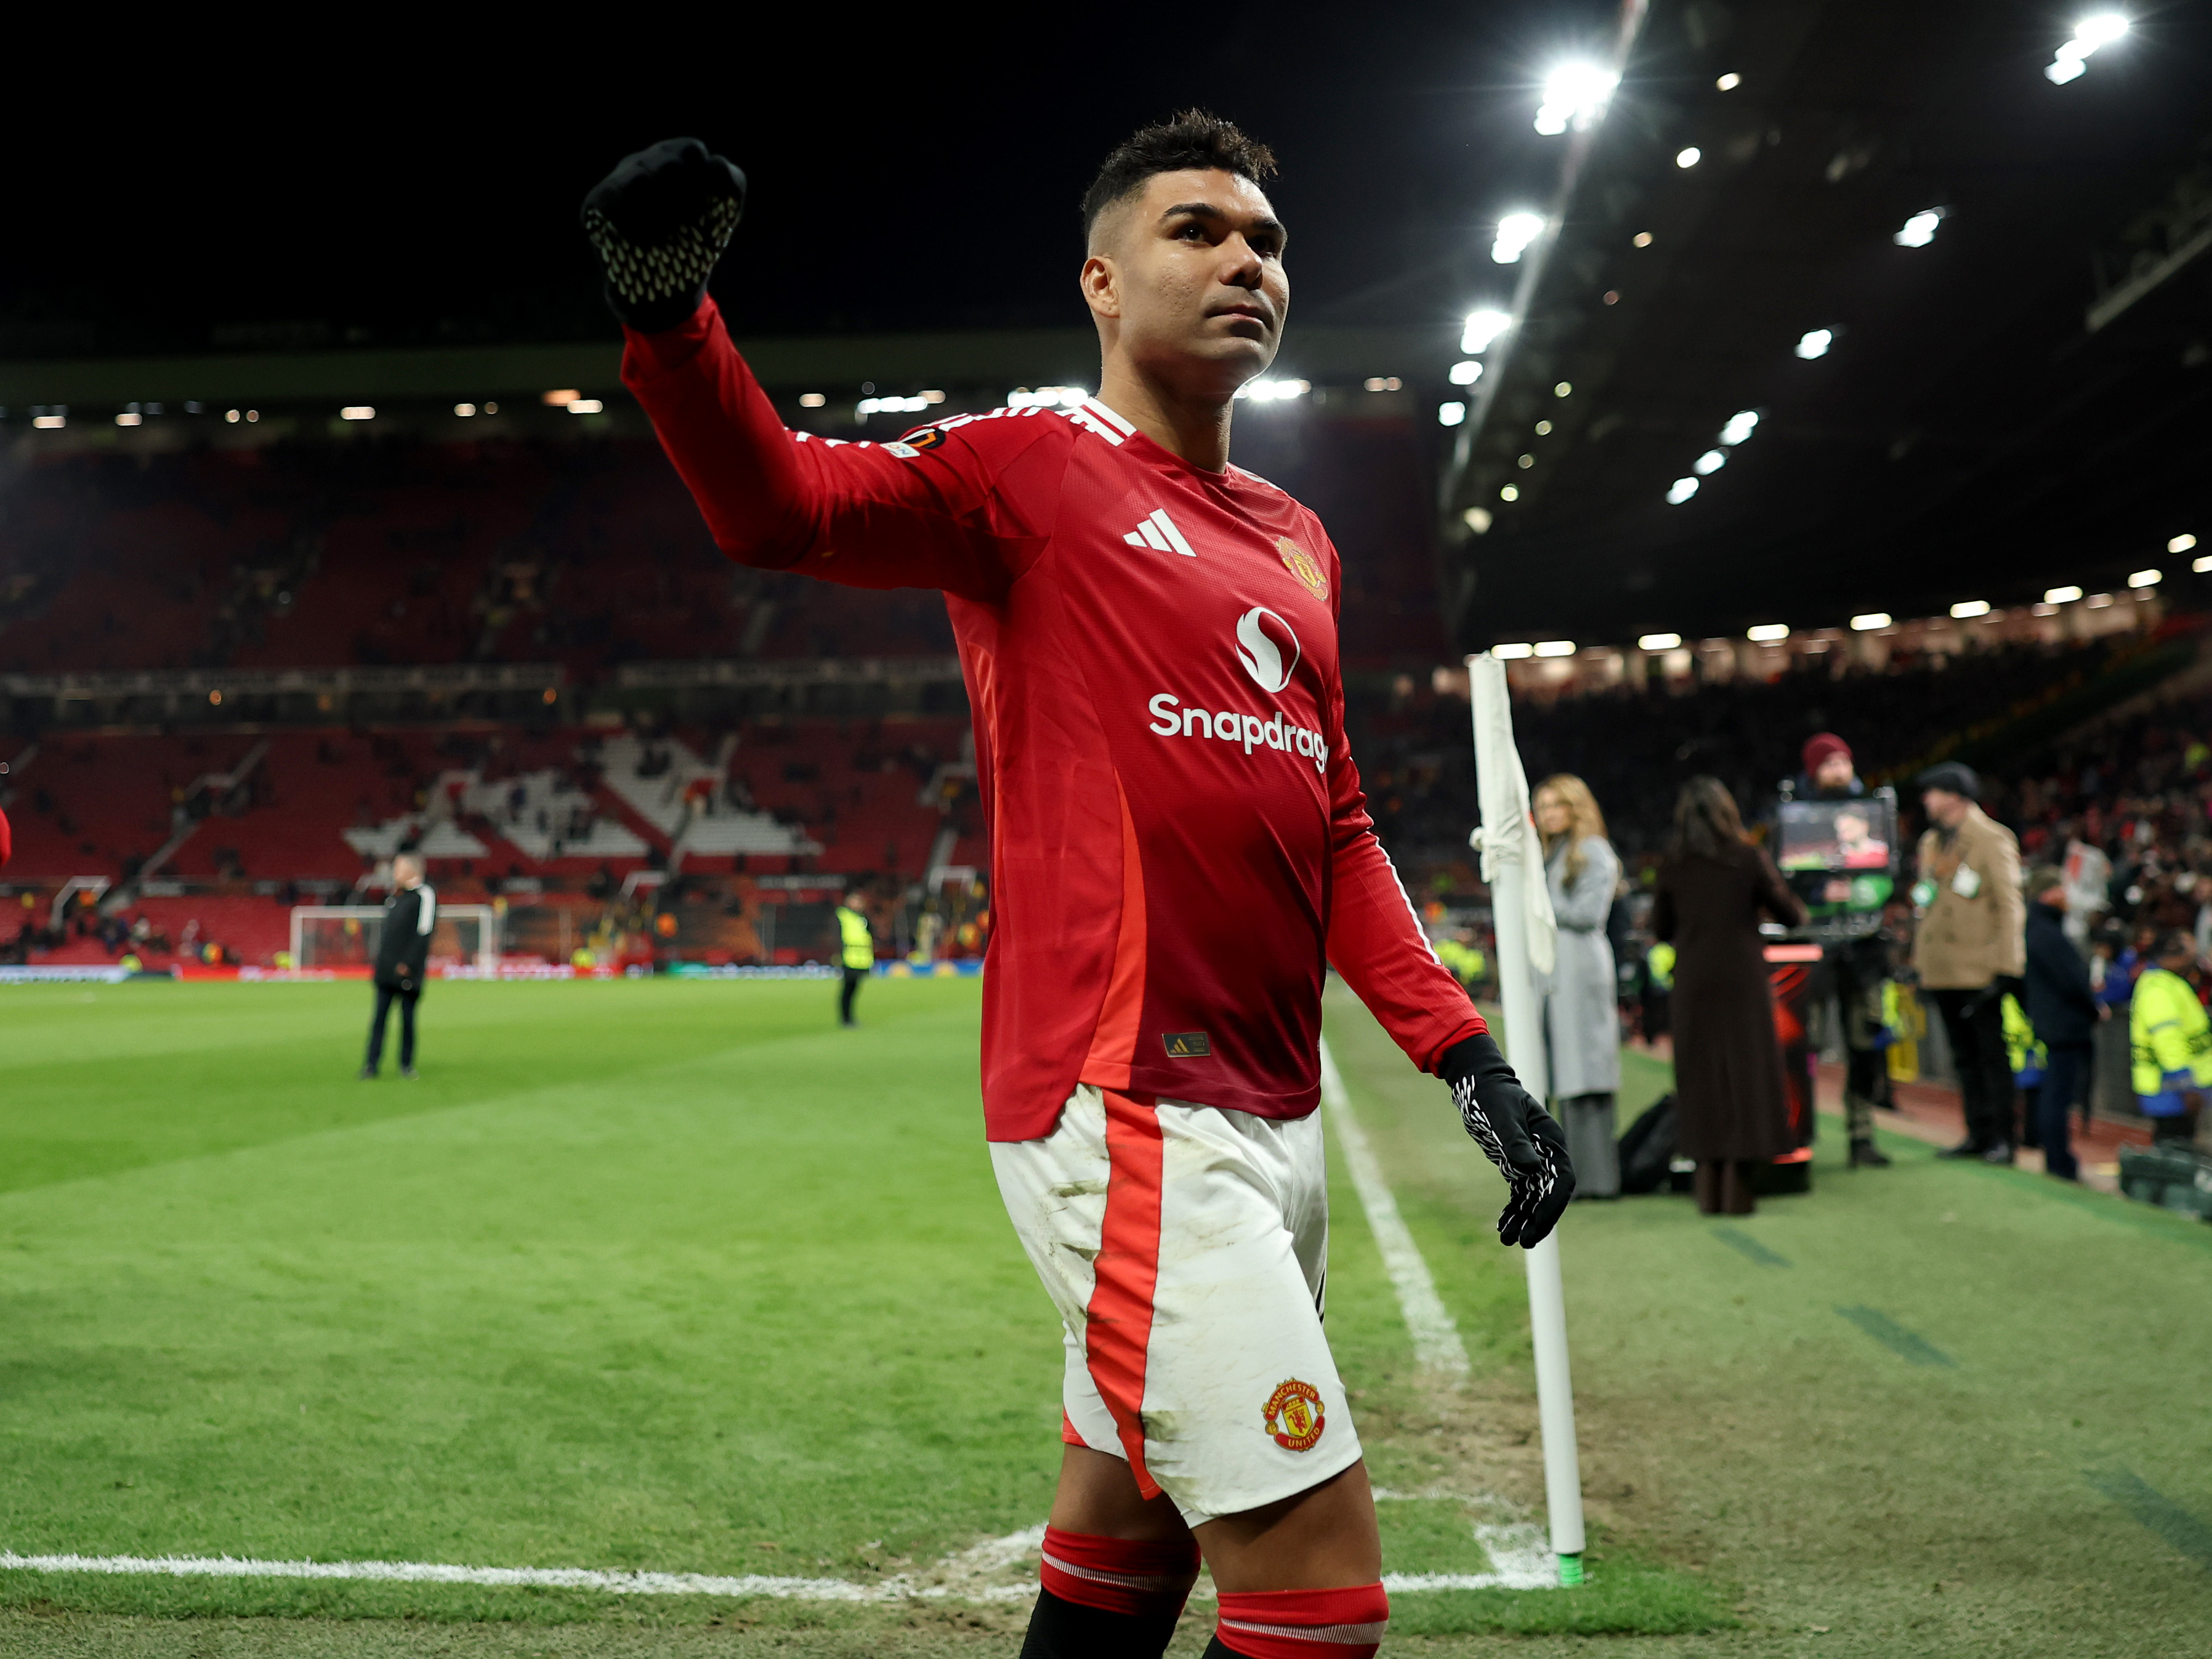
x,y
1521,906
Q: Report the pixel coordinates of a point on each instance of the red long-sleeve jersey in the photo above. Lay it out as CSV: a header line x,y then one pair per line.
x,y
1178,838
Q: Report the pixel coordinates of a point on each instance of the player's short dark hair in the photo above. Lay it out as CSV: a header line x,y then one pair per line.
x,y
1196,138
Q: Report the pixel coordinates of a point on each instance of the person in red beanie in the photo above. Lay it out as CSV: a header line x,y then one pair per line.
x,y
1855,960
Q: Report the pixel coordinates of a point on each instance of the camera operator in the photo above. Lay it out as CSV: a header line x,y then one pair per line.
x,y
1845,902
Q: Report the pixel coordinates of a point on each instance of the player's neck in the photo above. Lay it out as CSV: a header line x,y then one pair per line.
x,y
1194,429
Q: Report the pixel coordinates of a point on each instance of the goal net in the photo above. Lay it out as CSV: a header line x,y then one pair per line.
x,y
463,936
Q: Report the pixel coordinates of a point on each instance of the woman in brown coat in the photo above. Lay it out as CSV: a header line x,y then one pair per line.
x,y
1731,1105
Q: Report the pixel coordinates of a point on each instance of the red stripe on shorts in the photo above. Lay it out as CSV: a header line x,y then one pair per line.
x,y
1118,1326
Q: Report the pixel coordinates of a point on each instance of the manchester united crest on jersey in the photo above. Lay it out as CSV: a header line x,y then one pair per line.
x,y
1293,1415
1302,565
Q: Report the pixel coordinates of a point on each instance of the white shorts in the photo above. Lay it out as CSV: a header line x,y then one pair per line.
x,y
1187,1249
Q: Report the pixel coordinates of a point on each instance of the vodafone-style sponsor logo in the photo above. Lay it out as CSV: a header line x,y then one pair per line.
x,y
1267,650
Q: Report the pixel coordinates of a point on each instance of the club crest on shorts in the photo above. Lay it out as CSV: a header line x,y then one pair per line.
x,y
1293,1415
1301,564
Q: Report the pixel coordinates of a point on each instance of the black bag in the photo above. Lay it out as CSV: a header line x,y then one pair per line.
x,y
1647,1148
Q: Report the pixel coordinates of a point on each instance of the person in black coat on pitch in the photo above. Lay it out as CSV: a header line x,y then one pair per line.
x,y
2064,1012
403,957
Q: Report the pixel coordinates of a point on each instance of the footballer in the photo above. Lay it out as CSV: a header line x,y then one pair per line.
x,y
1179,847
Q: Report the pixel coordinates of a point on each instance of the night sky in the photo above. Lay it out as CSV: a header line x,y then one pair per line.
x,y
912,169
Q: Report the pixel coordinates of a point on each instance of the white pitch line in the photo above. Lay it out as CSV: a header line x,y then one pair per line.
x,y
1436,1337
583,1578
1537,1572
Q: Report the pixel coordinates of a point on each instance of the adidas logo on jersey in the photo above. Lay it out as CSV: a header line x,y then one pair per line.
x,y
1158,531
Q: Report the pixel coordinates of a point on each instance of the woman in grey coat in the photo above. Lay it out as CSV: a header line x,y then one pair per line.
x,y
1582,1019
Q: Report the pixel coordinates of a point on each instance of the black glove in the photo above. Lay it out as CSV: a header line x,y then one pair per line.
x,y
659,222
1521,1139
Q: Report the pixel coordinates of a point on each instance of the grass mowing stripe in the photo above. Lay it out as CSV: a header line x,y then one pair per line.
x,y
1745,1245
2111,1206
1436,1336
1909,1346
2191,1536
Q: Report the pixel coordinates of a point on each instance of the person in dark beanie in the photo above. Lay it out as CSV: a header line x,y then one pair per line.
x,y
2064,1011
403,957
1970,943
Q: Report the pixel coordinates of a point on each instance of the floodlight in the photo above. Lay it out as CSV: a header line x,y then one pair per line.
x,y
1465,373
1966,608
1870,621
1681,490
1450,413
2060,595
1741,425
1512,652
1711,462
1815,343
1920,229
1515,232
1480,329
1659,642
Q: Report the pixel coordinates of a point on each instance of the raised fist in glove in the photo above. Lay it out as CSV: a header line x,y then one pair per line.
x,y
1521,1139
659,222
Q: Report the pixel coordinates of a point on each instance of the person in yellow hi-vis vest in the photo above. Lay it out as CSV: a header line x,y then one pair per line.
x,y
2029,1059
856,943
1908,1023
2170,1037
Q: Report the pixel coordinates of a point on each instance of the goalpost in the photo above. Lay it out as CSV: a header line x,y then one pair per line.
x,y
463,936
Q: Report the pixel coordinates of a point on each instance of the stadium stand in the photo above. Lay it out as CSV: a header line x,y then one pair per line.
x,y
627,800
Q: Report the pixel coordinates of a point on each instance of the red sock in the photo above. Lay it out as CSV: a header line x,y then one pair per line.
x,y
1325,1624
1119,1575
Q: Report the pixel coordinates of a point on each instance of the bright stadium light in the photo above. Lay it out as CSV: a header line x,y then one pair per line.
x,y
1867,622
1480,329
1767,633
357,412
49,422
1688,156
1478,520
129,417
1045,397
1575,95
1465,373
1450,413
1659,642
2072,56
2060,595
1555,647
1920,229
2181,543
1709,463
2147,578
2200,566
1509,493
1815,343
1729,81
464,410
1271,391
1515,232
1512,652
812,399
1681,490
586,406
1966,608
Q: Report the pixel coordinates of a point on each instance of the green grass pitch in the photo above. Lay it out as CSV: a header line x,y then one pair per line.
x,y
676,1277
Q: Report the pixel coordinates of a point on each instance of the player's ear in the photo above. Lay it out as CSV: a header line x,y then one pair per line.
x,y
1102,286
